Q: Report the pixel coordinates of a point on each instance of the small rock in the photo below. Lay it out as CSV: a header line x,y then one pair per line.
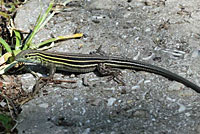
x,y
111,101
72,76
75,98
28,82
44,105
186,93
2,104
187,114
95,102
113,132
196,54
140,113
103,4
182,108
175,86
148,30
87,131
198,129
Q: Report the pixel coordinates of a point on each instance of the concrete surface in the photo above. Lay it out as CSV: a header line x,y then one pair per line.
x,y
161,32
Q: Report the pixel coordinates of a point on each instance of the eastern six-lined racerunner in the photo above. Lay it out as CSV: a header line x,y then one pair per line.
x,y
83,63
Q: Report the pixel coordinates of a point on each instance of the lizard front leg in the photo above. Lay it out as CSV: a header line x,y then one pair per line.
x,y
44,80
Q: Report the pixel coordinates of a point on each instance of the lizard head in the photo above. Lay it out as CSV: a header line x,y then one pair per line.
x,y
29,56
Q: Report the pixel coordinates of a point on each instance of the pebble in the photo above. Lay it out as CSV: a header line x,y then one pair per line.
x,y
44,105
175,86
111,101
28,82
87,131
195,54
182,108
2,103
198,129
148,30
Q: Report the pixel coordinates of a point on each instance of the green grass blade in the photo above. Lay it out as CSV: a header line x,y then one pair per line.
x,y
49,17
59,38
6,46
38,26
5,15
18,40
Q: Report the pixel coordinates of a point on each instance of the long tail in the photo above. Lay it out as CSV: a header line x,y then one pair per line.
x,y
141,66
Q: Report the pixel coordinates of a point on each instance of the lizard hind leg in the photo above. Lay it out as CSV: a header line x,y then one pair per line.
x,y
112,72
